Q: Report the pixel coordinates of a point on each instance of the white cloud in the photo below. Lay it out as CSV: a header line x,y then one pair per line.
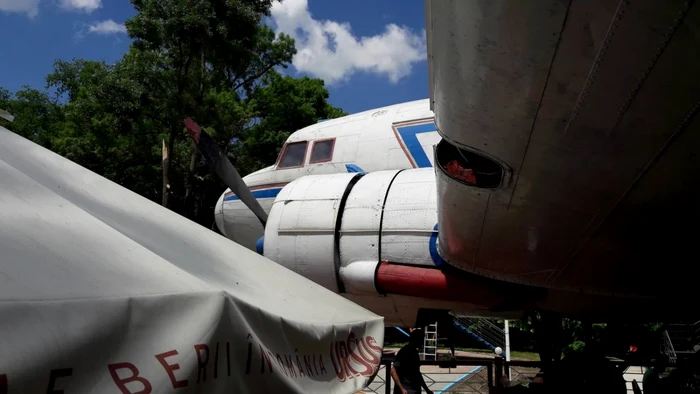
x,y
81,5
329,50
107,27
29,7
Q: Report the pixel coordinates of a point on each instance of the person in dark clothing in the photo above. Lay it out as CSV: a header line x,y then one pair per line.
x,y
651,379
405,370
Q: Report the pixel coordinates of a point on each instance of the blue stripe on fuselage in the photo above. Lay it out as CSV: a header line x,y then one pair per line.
x,y
354,168
410,139
264,193
432,246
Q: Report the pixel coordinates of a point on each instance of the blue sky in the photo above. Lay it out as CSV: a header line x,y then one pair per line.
x,y
370,53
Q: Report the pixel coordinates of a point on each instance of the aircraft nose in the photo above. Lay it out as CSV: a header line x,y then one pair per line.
x,y
219,214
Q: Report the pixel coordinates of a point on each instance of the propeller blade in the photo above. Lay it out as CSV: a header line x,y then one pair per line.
x,y
224,169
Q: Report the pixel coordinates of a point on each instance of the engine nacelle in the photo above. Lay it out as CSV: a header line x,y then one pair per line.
x,y
335,229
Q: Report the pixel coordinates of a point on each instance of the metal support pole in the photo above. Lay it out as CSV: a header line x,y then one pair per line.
x,y
498,360
387,380
489,379
507,335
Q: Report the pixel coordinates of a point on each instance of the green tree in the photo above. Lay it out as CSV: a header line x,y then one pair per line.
x,y
104,127
252,130
210,60
196,46
279,107
37,117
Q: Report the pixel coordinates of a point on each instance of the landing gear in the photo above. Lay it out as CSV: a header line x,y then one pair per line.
x,y
450,333
581,372
549,333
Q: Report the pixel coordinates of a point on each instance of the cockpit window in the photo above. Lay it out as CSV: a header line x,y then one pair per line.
x,y
293,155
322,151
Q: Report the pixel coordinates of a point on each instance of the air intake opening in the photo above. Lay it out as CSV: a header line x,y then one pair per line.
x,y
468,167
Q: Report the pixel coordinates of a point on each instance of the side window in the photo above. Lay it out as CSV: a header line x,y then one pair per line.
x,y
293,155
322,151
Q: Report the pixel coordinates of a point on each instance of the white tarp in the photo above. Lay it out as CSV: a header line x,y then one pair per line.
x,y
103,291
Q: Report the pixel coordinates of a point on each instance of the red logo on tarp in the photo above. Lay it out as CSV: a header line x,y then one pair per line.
x,y
355,357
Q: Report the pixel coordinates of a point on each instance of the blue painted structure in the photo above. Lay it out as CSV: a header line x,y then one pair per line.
x,y
403,331
354,168
409,137
434,254
259,246
473,334
459,379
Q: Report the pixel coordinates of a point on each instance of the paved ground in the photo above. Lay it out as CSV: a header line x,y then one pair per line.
x,y
472,379
439,380
468,379
634,373
477,383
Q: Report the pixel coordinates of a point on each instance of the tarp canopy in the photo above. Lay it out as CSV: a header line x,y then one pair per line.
x,y
104,291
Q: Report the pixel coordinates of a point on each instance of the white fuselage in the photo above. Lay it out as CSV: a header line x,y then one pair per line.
x,y
395,137
300,231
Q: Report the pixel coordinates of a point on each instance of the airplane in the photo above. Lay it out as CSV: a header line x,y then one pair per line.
x,y
584,154
357,144
378,142
394,137
578,121
387,259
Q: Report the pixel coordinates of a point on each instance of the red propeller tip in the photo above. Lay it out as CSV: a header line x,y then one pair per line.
x,y
193,129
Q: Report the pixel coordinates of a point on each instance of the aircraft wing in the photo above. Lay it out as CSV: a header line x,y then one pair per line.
x,y
582,119
102,290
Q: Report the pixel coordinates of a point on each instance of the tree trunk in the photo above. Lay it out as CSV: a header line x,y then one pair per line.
x,y
167,161
166,168
201,81
190,202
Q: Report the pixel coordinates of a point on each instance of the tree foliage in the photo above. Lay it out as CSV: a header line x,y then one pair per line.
x,y
612,338
210,60
280,106
37,117
194,47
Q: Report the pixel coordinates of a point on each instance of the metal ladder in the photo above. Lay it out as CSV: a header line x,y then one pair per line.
x,y
430,343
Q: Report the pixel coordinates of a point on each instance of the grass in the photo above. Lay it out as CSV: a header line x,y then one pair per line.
x,y
530,356
514,354
397,345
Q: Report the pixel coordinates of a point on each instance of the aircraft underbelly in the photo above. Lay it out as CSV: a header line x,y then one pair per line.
x,y
590,109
